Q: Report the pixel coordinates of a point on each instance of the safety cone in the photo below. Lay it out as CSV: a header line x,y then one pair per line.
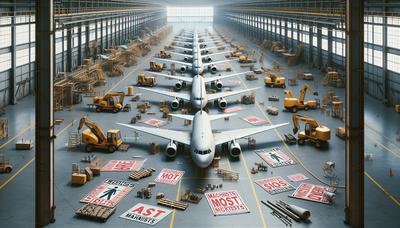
x,y
390,173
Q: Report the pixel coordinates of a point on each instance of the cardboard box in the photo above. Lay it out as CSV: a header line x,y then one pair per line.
x,y
397,108
78,179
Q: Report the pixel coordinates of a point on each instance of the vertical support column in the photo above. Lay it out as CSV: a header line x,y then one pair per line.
x,y
101,36
13,75
79,43
319,46
354,199
44,135
385,77
286,35
87,38
311,44
330,44
69,48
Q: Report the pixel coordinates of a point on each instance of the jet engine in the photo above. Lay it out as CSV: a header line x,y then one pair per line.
x,y
235,149
218,84
213,68
186,59
183,68
179,84
175,104
203,45
171,149
222,103
208,58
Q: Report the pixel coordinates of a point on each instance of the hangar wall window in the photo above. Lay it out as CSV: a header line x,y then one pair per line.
x,y
190,14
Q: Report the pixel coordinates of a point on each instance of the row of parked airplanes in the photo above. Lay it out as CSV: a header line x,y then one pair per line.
x,y
201,139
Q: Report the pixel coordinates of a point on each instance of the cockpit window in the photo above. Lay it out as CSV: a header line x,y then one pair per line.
x,y
199,98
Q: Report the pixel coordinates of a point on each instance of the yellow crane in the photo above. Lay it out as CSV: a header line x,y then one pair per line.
x,y
314,132
110,102
94,137
293,104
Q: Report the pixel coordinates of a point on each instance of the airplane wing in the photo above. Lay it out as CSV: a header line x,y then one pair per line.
x,y
220,116
185,79
182,48
175,61
219,62
226,136
183,96
182,42
214,96
179,136
181,54
209,48
182,116
211,79
219,53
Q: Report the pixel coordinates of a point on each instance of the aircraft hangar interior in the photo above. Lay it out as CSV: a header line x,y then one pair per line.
x,y
183,113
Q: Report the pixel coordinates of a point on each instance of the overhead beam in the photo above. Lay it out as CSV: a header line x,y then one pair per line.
x,y
354,199
44,147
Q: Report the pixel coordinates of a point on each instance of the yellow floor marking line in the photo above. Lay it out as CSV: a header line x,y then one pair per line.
x,y
16,174
383,146
253,189
30,161
171,224
383,135
382,189
16,136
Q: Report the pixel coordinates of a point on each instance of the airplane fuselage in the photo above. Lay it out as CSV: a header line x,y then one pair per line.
x,y
198,96
202,146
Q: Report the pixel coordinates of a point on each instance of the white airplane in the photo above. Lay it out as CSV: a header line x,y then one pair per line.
x,y
202,140
198,96
197,64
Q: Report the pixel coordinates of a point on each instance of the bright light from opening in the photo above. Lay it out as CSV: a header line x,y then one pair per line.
x,y
190,14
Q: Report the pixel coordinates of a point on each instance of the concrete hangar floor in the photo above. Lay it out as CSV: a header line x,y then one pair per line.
x,y
381,191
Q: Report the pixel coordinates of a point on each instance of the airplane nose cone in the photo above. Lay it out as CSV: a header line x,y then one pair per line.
x,y
203,161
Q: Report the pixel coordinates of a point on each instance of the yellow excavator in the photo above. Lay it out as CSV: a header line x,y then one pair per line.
x,y
94,137
318,134
293,104
110,102
272,79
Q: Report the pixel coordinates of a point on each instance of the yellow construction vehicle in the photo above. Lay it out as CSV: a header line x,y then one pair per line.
x,y
318,134
245,59
142,80
94,137
5,166
110,102
157,67
293,104
273,80
165,55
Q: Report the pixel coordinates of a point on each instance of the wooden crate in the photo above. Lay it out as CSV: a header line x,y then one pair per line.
x,y
96,212
173,204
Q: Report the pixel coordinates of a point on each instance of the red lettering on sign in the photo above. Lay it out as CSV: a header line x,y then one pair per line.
x,y
138,210
159,212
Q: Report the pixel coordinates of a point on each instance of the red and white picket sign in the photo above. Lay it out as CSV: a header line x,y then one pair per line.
x,y
274,185
255,120
154,122
109,193
312,192
122,166
169,176
275,157
146,214
226,203
297,177
236,108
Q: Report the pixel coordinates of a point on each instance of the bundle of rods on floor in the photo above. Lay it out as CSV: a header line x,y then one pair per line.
x,y
286,212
